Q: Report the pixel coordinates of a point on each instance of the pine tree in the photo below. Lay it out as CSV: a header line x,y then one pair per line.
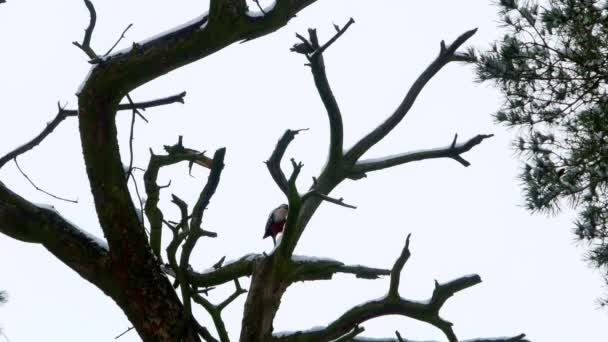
x,y
552,70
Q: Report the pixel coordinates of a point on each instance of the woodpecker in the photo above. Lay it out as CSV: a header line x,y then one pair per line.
x,y
276,222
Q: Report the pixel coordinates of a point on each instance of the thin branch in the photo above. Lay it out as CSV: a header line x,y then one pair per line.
x,y
274,162
129,170
215,311
349,337
40,189
453,151
257,2
124,332
338,201
85,46
122,36
64,113
153,103
445,56
50,127
339,33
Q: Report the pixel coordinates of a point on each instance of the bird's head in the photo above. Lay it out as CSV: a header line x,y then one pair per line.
x,y
284,206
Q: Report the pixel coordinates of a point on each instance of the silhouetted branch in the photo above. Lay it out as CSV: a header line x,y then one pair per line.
x,y
338,201
122,36
391,304
215,311
393,290
446,55
40,189
196,231
274,162
453,151
123,333
85,46
314,53
63,113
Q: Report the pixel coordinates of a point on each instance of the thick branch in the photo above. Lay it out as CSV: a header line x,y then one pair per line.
x,y
84,253
453,151
302,269
391,304
446,55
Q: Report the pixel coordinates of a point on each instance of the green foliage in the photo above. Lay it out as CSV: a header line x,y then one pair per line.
x,y
552,68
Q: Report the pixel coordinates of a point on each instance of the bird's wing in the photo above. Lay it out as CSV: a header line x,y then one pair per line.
x,y
268,229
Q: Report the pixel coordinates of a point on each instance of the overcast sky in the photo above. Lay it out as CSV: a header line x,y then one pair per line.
x,y
462,220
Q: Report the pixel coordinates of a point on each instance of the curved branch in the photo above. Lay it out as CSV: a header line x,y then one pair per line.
x,y
274,162
314,53
85,46
84,253
176,154
453,151
392,304
445,56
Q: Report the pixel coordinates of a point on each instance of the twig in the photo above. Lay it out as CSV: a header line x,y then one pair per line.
x,y
38,188
126,331
85,46
119,39
338,201
348,337
219,264
257,2
50,127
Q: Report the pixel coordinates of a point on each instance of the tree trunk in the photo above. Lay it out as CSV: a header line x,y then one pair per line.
x,y
267,287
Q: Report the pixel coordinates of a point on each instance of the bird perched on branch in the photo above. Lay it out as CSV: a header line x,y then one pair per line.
x,y
276,222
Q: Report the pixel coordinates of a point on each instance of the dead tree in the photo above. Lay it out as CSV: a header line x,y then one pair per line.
x,y
128,265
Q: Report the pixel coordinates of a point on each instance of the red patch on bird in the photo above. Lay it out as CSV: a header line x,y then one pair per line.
x,y
277,227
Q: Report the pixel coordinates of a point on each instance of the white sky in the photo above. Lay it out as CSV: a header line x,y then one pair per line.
x,y
462,220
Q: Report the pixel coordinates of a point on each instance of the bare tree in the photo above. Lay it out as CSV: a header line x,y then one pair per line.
x,y
128,265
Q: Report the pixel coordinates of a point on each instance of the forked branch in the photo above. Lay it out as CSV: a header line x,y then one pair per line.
x,y
175,154
314,53
446,55
85,46
393,304
63,113
452,151
274,162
